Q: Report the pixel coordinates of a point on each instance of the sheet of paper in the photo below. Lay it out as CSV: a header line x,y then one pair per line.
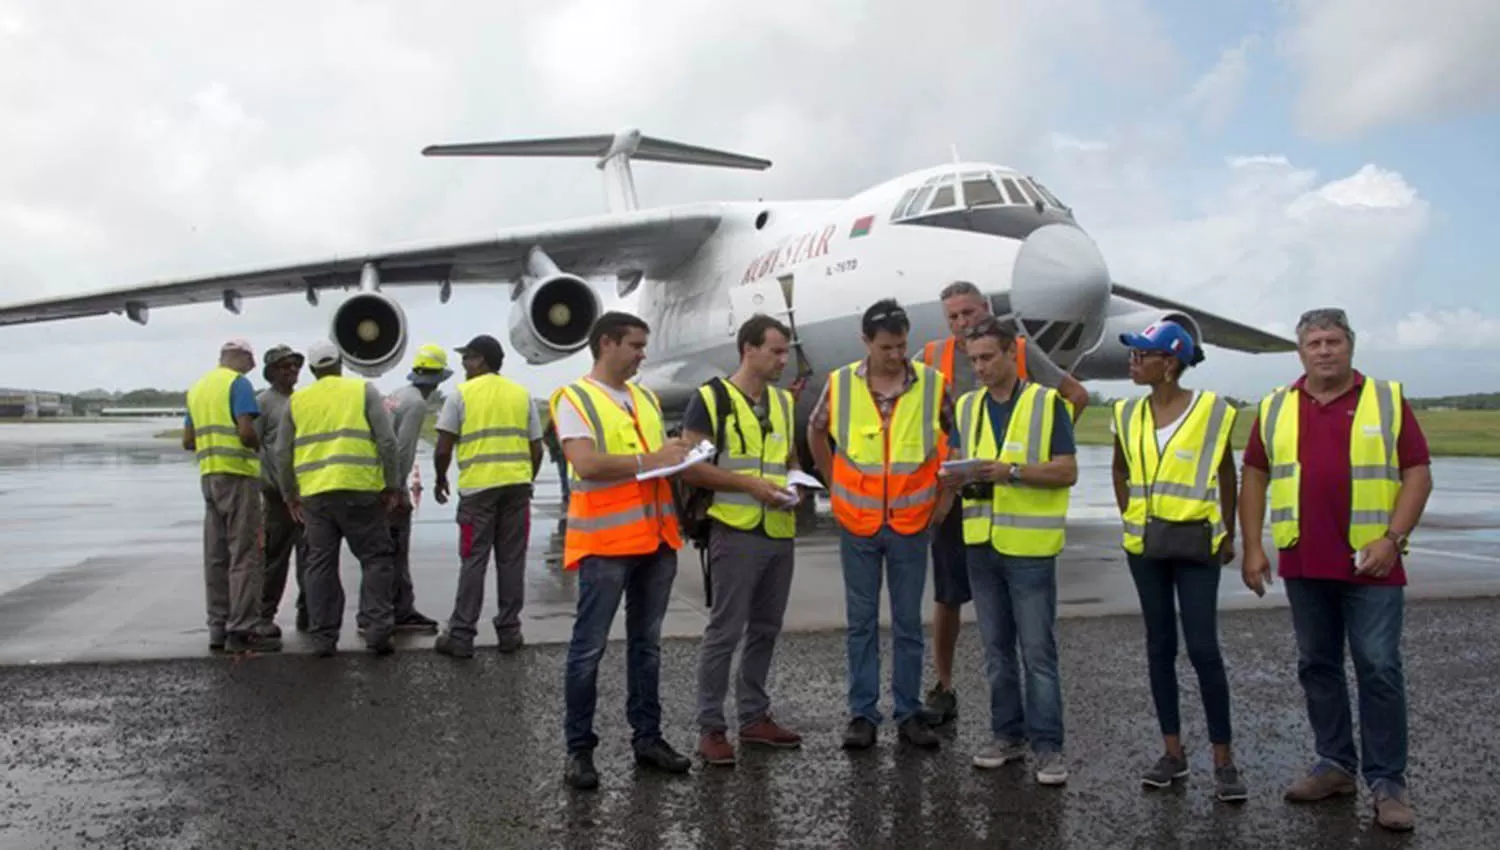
x,y
964,468
798,478
699,453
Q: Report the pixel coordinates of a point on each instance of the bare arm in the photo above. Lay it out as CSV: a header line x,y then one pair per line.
x,y
1059,472
189,439
249,437
386,448
1416,487
1072,389
594,465
817,441
1120,471
1252,508
536,458
442,455
1228,489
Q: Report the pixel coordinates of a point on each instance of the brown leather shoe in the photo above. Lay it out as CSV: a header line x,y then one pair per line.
x,y
715,748
1393,811
766,733
1320,783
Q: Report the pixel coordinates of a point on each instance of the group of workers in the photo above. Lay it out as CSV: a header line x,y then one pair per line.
x,y
967,452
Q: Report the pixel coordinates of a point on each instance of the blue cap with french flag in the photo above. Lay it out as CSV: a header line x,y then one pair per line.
x,y
1167,337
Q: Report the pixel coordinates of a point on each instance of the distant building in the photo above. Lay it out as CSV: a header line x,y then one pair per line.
x,y
31,404
144,412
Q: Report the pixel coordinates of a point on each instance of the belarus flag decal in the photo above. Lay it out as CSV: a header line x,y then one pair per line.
x,y
861,226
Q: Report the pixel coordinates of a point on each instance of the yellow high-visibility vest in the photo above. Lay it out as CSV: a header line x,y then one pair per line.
x,y
494,442
750,452
333,447
1374,463
217,437
1180,484
1020,520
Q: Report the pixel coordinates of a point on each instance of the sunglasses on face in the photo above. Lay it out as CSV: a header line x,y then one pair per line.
x,y
1138,355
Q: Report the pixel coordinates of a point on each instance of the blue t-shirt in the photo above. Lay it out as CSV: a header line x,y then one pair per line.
x,y
998,415
241,401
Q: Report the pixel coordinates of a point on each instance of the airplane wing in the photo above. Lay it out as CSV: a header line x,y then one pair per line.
x,y
1217,330
651,242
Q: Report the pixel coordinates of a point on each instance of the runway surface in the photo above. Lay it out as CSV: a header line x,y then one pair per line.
x,y
143,739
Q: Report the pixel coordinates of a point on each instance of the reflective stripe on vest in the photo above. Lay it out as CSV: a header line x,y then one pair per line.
x,y
749,452
1374,464
494,443
1183,483
617,518
332,447
215,433
884,473
1019,520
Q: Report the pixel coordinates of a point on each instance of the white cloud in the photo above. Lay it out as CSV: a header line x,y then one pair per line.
x,y
1216,95
1463,328
1367,63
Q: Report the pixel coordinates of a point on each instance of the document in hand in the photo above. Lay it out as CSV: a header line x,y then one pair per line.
x,y
699,453
964,468
798,478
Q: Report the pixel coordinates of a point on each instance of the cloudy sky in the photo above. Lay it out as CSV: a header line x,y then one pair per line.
x,y
1252,158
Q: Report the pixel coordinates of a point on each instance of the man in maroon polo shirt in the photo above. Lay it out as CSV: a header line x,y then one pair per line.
x,y
1351,470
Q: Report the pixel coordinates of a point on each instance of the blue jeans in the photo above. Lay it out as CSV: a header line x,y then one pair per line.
x,y
645,582
1161,585
1016,602
1324,613
904,558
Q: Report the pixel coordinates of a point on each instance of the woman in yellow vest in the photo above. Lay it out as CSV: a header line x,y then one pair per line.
x,y
1174,479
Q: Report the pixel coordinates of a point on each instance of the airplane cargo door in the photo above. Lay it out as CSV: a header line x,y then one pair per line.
x,y
768,296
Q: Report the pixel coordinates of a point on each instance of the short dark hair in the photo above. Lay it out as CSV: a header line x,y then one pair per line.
x,y
613,326
957,288
993,328
753,331
884,315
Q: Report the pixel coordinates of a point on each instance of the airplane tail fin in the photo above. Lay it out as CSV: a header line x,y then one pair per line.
x,y
612,154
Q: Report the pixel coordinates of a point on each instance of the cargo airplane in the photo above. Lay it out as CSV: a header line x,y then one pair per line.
x,y
702,269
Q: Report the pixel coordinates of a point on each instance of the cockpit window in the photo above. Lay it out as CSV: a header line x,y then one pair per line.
x,y
969,190
900,209
1051,198
943,198
981,191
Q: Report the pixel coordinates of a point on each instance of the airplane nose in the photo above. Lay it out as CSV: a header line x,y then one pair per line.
x,y
1059,276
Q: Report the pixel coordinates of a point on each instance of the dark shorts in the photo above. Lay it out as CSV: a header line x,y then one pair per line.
x,y
950,570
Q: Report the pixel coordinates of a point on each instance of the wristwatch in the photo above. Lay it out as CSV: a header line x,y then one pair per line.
x,y
1398,539
1015,472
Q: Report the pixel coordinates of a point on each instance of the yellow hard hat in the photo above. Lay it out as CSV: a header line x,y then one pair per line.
x,y
430,357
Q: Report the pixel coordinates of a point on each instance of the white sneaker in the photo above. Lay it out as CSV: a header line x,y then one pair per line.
x,y
1050,769
998,753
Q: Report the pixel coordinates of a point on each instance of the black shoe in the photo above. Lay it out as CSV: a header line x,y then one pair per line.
x,y
860,735
447,644
941,707
216,638
324,648
660,755
509,643
580,771
251,642
380,644
914,730
416,622
302,623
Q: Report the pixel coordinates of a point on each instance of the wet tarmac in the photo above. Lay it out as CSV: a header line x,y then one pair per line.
x,y
166,746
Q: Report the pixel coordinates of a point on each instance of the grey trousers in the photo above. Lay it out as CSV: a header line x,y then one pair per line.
x,y
752,580
283,538
358,518
496,520
233,567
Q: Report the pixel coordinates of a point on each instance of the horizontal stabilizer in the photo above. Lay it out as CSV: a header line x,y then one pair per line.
x,y
629,143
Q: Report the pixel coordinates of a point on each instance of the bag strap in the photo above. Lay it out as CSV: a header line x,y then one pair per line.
x,y
723,405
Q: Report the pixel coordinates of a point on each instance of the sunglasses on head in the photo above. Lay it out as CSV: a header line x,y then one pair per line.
x,y
893,313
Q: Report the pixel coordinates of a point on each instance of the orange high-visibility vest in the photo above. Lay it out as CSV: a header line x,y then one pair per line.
x,y
939,355
617,519
885,472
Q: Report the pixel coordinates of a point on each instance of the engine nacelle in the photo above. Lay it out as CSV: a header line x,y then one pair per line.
x,y
1111,360
551,317
370,332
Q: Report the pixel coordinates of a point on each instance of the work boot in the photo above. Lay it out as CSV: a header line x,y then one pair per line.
x,y
1392,808
580,771
416,622
509,642
914,730
1320,783
448,645
268,628
714,748
251,642
767,733
216,638
380,644
324,648
659,755
860,735
941,707
1166,769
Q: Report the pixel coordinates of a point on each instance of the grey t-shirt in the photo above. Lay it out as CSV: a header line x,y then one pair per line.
x,y
380,429
408,410
451,419
268,423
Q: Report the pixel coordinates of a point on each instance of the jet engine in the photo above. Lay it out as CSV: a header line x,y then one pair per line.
x,y
552,313
370,332
1110,361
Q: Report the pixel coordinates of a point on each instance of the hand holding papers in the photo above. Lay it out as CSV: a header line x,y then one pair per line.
x,y
964,470
697,454
798,478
